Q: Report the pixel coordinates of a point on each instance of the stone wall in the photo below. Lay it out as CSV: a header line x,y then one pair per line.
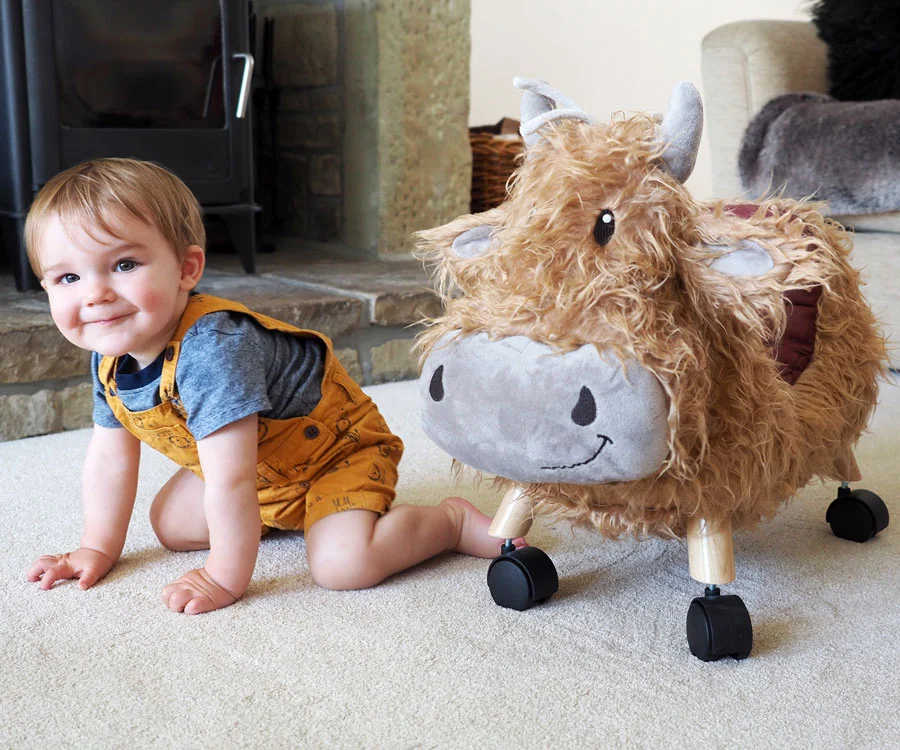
x,y
372,125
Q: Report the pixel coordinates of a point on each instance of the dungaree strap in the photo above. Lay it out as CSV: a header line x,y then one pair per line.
x,y
198,306
203,304
167,380
106,373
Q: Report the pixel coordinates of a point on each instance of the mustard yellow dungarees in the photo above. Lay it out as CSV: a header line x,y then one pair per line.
x,y
340,457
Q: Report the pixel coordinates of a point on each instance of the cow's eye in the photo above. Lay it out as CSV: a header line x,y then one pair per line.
x,y
436,386
605,227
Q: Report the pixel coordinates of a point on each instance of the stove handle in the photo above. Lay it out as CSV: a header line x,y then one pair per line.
x,y
246,79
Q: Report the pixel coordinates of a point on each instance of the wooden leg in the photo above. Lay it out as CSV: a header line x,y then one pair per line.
x,y
514,516
710,551
845,466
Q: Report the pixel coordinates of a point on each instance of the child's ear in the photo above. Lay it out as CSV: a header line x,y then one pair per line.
x,y
192,265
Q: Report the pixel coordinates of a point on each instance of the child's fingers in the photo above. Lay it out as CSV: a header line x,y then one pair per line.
x,y
40,566
88,578
48,569
189,602
59,572
198,606
196,592
180,597
175,597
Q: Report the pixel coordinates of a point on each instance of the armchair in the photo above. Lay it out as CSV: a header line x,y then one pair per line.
x,y
744,65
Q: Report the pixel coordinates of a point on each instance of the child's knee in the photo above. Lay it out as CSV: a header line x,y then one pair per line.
x,y
167,533
339,551
344,568
156,519
167,536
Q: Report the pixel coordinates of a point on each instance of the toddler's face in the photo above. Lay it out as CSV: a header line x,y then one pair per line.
x,y
116,293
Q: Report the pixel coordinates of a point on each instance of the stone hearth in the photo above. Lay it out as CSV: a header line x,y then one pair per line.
x,y
370,309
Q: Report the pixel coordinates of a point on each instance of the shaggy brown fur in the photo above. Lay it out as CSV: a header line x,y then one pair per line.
x,y
741,439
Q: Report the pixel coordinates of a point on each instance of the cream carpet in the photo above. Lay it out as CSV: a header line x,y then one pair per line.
x,y
426,660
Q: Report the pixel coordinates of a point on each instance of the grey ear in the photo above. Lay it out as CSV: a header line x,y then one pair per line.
x,y
473,242
744,259
681,130
540,104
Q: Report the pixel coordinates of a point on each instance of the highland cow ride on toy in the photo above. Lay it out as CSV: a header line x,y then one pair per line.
x,y
621,355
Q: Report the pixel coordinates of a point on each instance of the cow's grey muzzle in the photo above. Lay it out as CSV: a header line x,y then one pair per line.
x,y
521,410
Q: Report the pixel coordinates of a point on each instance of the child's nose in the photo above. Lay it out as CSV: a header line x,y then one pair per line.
x,y
98,289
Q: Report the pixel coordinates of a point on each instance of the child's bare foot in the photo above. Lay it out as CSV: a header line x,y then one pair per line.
x,y
473,529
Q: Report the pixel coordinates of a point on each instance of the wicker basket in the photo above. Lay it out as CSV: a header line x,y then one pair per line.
x,y
495,149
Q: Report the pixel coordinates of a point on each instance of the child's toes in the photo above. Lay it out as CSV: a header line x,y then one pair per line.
x,y
473,536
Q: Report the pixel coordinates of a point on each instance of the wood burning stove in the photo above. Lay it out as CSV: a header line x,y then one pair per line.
x,y
164,80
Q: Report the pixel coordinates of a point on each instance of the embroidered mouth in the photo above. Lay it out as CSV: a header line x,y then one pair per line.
x,y
606,441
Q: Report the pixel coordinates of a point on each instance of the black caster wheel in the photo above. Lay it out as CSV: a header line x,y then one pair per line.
x,y
719,625
857,515
522,578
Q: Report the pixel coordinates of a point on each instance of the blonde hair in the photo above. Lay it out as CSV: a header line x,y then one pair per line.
x,y
93,192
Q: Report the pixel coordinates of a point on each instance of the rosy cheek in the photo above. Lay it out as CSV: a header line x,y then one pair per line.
x,y
65,319
152,301
58,311
148,302
63,309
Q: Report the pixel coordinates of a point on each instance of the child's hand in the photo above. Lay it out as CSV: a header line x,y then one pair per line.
x,y
85,564
196,592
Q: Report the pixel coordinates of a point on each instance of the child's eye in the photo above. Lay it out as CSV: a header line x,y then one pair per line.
x,y
67,278
126,265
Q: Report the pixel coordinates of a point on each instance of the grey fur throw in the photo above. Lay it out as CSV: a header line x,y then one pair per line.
x,y
845,153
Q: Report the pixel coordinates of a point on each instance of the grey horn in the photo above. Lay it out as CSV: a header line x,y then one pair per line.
x,y
540,105
681,130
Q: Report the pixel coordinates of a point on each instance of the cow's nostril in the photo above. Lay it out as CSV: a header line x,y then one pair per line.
x,y
585,410
436,388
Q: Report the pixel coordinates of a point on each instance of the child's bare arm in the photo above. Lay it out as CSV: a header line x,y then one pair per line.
x,y
228,459
109,485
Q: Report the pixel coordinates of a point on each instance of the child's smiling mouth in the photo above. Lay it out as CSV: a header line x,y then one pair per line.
x,y
108,321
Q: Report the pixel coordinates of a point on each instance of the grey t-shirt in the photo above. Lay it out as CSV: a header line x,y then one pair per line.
x,y
229,367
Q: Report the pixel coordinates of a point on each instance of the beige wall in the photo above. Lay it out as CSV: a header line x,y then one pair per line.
x,y
607,55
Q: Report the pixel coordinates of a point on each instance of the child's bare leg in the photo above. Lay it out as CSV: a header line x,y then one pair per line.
x,y
177,514
358,548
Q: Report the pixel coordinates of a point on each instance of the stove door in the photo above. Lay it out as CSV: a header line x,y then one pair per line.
x,y
145,79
